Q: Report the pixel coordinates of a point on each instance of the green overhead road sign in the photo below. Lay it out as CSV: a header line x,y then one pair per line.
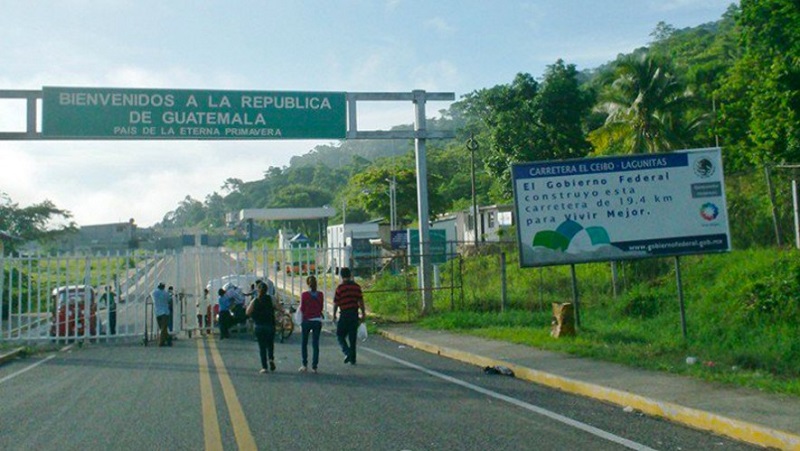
x,y
112,113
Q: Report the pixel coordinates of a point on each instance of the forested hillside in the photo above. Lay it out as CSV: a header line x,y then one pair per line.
x,y
733,83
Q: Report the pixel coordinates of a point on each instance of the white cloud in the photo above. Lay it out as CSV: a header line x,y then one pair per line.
x,y
533,15
688,5
436,76
440,26
392,5
102,182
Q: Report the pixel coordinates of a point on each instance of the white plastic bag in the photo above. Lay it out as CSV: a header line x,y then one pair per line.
x,y
298,317
362,332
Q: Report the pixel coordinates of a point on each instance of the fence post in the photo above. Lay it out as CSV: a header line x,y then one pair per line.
x,y
87,301
775,218
461,278
502,282
2,283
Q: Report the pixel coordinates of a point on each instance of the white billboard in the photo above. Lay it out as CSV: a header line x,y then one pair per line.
x,y
614,208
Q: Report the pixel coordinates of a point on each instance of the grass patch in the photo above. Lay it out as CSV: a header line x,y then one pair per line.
x,y
742,312
629,343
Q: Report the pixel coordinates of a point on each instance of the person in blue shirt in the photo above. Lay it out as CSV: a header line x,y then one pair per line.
x,y
224,314
161,307
171,294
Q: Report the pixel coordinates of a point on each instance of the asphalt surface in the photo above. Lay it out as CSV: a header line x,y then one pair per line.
x,y
207,394
743,414
123,395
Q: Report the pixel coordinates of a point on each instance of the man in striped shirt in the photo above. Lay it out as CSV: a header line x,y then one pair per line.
x,y
349,299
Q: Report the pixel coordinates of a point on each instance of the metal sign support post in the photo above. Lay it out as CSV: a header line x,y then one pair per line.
x,y
680,295
575,300
2,282
422,202
420,135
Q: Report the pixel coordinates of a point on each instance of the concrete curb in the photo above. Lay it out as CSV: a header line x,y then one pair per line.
x,y
737,429
11,355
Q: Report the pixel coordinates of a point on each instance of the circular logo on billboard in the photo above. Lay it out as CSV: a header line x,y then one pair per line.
x,y
704,167
709,211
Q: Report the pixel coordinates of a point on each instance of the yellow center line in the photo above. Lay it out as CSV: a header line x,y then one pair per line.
x,y
211,434
241,430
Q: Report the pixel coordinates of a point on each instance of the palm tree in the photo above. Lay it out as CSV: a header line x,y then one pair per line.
x,y
645,105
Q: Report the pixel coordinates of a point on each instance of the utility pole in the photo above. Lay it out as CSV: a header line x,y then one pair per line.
x,y
392,202
472,146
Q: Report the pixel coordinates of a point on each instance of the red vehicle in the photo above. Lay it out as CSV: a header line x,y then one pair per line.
x,y
69,311
301,268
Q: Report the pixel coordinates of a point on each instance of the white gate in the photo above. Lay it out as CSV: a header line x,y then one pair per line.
x,y
107,298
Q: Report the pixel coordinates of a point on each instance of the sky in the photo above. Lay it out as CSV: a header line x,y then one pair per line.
x,y
457,46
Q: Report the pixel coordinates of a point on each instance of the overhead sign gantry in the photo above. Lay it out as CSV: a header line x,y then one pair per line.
x,y
135,114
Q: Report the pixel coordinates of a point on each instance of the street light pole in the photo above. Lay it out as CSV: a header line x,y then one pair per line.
x,y
392,202
472,146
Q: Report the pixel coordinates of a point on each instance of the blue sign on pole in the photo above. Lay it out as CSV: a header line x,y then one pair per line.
x,y
399,239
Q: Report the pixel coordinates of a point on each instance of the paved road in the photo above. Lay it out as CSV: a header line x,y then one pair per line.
x,y
207,394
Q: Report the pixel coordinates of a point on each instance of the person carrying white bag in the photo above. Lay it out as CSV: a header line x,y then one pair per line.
x,y
349,299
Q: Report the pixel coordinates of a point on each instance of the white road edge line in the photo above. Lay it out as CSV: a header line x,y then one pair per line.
x,y
541,411
26,369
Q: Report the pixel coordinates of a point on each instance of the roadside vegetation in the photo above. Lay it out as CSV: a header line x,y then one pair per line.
x,y
733,83
742,312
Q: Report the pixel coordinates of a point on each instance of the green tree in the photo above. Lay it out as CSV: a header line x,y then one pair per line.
x,y
215,211
761,97
190,212
370,191
528,121
701,57
42,222
645,104
562,106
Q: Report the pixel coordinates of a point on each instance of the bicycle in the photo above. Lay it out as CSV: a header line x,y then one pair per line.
x,y
284,324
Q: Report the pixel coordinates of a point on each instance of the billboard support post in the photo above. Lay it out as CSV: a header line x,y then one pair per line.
x,y
575,301
680,294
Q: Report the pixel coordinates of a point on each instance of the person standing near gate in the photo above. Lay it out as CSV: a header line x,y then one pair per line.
x,y
109,299
202,311
262,311
161,307
171,294
349,299
311,305
224,314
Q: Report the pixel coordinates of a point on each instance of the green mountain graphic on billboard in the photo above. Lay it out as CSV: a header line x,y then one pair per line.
x,y
560,238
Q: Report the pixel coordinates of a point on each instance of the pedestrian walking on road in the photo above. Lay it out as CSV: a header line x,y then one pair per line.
x,y
262,311
312,303
161,307
349,299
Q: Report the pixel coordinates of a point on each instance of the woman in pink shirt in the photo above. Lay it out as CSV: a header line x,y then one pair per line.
x,y
311,304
